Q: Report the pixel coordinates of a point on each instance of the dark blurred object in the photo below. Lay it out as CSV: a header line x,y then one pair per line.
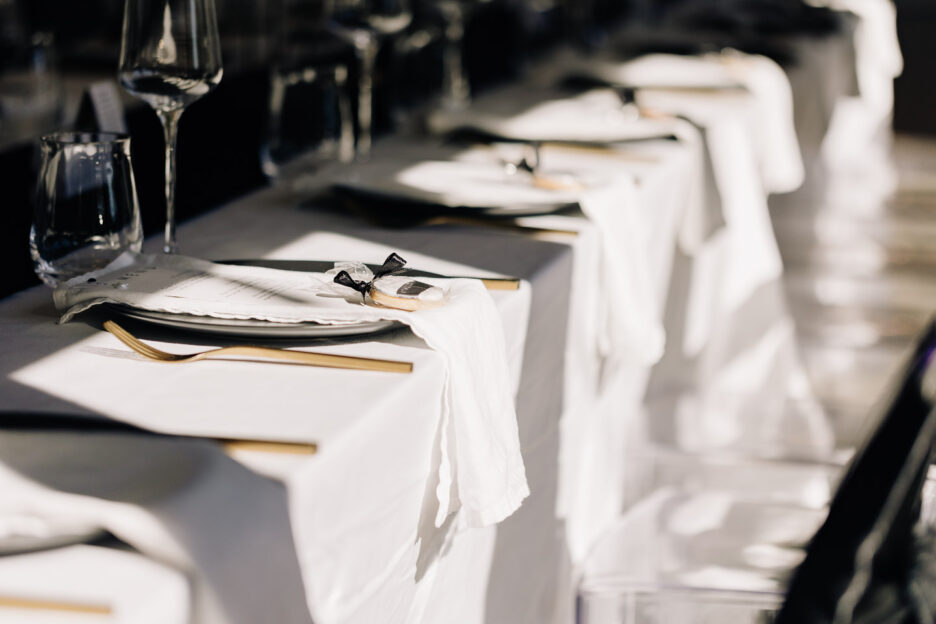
x,y
860,565
101,109
251,32
30,85
637,41
309,116
218,147
765,27
914,96
30,104
17,173
370,27
748,18
494,53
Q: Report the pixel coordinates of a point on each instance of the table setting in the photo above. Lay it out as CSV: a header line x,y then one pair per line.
x,y
402,380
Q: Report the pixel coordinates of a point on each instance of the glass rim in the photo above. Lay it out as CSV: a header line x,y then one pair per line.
x,y
73,137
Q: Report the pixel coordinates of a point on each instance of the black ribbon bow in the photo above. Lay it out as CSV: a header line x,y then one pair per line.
x,y
393,264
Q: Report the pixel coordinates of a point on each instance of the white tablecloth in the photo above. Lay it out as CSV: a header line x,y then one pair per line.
x,y
363,423
356,519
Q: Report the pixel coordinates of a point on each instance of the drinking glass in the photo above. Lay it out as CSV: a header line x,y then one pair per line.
x,y
170,56
363,23
309,118
86,211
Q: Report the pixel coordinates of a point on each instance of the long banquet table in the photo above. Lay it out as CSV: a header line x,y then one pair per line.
x,y
356,507
344,531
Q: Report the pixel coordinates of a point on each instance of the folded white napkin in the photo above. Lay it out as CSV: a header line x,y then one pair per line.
x,y
524,114
781,163
482,474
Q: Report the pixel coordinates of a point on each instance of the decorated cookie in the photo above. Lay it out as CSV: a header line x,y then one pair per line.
x,y
404,293
385,288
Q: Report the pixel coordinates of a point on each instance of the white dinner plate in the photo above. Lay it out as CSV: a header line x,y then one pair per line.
x,y
482,187
250,328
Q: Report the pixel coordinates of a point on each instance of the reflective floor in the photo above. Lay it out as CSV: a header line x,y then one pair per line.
x,y
860,276
711,531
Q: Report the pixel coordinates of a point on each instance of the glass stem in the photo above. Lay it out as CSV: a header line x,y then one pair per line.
x,y
346,123
367,54
455,86
170,124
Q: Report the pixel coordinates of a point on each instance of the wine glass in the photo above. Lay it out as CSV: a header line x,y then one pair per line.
x,y
170,56
363,23
456,92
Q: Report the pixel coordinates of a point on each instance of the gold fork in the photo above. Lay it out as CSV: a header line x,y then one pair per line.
x,y
299,357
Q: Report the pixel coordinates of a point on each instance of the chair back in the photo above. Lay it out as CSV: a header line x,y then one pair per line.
x,y
860,562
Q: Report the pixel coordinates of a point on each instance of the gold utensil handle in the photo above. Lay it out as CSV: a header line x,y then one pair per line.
x,y
496,283
319,359
502,224
603,150
34,604
282,355
263,446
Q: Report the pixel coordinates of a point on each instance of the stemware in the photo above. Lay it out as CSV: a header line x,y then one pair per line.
x,y
86,212
363,23
170,56
456,92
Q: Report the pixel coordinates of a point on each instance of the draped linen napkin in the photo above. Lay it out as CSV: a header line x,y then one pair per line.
x,y
630,322
482,475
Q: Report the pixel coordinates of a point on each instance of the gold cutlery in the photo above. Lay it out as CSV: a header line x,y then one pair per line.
x,y
503,224
606,151
326,360
263,446
10,602
499,283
